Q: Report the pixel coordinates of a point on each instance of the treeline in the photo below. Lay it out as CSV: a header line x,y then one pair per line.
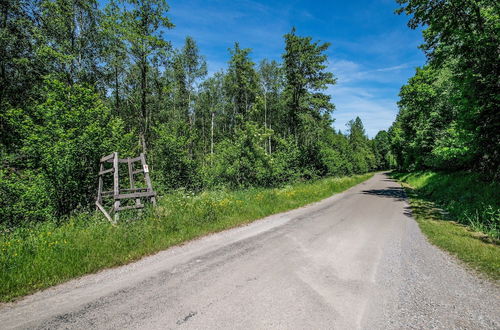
x,y
449,114
79,80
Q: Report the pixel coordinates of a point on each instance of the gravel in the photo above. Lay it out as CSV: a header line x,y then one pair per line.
x,y
356,260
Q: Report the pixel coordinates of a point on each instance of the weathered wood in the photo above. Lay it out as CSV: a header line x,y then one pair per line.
x,y
130,173
116,185
132,181
135,195
125,160
103,210
125,190
107,158
133,189
127,193
137,206
106,171
136,159
99,187
147,178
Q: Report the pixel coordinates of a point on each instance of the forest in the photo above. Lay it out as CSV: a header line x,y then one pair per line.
x,y
449,116
80,80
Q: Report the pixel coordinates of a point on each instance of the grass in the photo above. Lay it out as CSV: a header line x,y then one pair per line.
x,y
36,257
442,204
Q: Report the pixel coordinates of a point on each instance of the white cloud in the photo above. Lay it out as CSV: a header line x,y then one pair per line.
x,y
393,68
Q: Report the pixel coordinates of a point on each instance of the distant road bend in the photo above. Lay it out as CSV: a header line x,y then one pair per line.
x,y
356,260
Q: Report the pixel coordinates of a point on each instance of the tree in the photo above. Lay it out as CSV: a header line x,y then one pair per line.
x,y
382,150
195,68
212,99
241,82
466,33
114,51
271,85
304,63
65,137
71,40
144,21
362,157
20,67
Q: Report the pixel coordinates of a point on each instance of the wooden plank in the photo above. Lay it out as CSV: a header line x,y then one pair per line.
x,y
130,173
116,185
107,158
135,195
103,210
137,206
132,182
136,159
106,171
133,189
138,171
99,187
132,160
107,193
147,178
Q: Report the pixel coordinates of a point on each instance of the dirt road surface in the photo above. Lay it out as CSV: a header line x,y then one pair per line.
x,y
356,260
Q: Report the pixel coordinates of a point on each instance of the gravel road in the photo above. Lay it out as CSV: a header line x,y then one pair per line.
x,y
356,260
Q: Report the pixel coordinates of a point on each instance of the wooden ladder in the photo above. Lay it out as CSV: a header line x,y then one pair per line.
x,y
118,194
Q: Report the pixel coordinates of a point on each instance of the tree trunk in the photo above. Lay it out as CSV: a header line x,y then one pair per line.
x,y
142,143
144,114
265,117
117,92
212,134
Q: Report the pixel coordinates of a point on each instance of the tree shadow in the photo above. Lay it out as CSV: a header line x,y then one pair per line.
x,y
396,193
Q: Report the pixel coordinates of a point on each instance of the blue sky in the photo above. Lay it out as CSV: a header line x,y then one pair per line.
x,y
372,50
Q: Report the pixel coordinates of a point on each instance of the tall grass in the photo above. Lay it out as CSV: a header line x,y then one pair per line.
x,y
464,196
39,256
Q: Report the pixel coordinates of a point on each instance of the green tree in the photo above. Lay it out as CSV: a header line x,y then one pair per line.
x,y
304,63
382,150
115,52
362,157
144,22
241,82
66,136
71,39
271,86
466,33
20,67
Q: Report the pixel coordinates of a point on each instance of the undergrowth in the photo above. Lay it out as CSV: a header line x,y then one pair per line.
x,y
464,196
458,213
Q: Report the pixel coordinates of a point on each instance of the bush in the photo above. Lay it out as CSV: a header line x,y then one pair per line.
x,y
244,162
67,134
24,197
173,165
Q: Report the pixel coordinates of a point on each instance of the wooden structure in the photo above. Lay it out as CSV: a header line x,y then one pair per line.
x,y
119,195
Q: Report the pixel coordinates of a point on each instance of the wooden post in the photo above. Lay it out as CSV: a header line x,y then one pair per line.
x,y
146,177
116,186
131,178
99,189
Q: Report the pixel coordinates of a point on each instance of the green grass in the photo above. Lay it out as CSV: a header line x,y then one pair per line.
x,y
33,258
467,198
442,203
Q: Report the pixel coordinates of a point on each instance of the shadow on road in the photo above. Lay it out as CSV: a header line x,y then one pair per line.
x,y
396,193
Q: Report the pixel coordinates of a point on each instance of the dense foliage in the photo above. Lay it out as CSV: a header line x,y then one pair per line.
x,y
79,79
449,114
